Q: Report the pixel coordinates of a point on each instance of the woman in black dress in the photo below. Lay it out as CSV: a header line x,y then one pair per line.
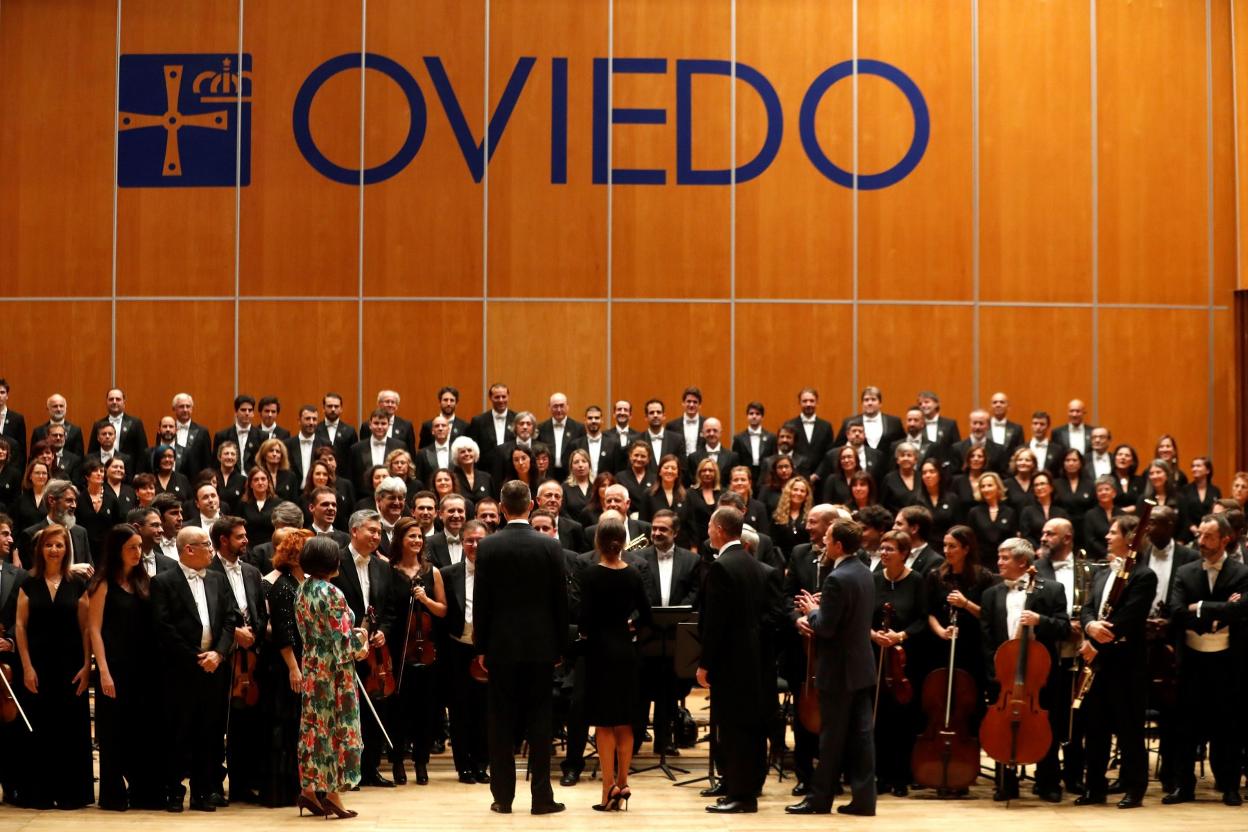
x,y
935,496
773,483
115,482
57,771
756,516
668,492
30,508
897,723
1126,482
611,591
1023,467
281,693
992,520
966,484
1160,486
788,523
1097,520
168,480
473,483
1168,449
274,459
1196,499
257,507
595,506
637,477
97,510
233,483
834,488
10,474
578,486
418,597
119,621
901,485
1073,490
1042,509
700,501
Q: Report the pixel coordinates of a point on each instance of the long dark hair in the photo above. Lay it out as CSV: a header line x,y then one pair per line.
x,y
397,534
970,567
111,565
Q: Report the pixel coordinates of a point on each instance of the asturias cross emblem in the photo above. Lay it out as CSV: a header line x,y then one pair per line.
x,y
173,121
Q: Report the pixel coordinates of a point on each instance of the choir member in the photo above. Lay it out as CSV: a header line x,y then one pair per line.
x,y
992,519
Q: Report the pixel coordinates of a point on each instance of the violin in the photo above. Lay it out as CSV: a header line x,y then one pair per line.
x,y
477,670
418,643
894,662
1016,729
244,693
946,754
380,682
808,702
8,702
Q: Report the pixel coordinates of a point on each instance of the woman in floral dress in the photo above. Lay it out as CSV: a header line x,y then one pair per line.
x,y
330,742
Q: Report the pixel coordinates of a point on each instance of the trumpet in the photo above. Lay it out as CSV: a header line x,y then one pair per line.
x,y
638,542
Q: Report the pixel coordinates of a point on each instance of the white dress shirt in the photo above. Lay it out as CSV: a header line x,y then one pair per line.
x,y
691,431
205,523
443,453
243,433
1078,438
1015,603
1064,574
470,579
305,452
997,431
1102,464
234,574
808,427
378,450
593,445
361,571
1162,563
656,446
169,548
455,548
500,426
1040,447
195,579
756,445
184,430
558,429
331,430
666,561
873,426
932,428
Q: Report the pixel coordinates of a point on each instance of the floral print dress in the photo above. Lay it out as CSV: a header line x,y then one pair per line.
x,y
330,742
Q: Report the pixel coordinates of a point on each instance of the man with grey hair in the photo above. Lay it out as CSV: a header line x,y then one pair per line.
x,y
1007,608
399,429
558,433
191,438
391,499
56,416
60,497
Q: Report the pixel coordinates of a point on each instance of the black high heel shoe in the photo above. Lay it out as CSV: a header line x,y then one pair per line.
x,y
612,803
315,809
622,797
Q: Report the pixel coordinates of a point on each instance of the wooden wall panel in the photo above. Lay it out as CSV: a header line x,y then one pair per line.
x,y
1240,70
1153,175
547,239
1035,151
48,361
686,254
659,349
56,192
906,349
323,350
1223,449
299,231
794,226
423,227
1054,348
915,237
415,348
1224,242
569,355
774,360
176,241
1154,377
170,347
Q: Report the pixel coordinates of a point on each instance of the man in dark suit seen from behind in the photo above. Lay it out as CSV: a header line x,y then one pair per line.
x,y
840,621
520,623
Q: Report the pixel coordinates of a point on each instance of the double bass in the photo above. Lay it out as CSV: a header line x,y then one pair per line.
x,y
946,754
1016,729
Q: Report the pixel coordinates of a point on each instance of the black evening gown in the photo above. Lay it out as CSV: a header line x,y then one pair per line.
x,y
897,724
612,667
59,767
970,653
279,781
412,712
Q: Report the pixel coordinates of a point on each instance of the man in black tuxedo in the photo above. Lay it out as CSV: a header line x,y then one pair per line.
x,y
979,437
13,426
622,428
448,401
712,449
917,436
192,438
13,735
146,521
570,533
60,498
302,446
65,463
1076,433
323,508
129,433
399,428
493,427
269,407
882,429
335,432
689,425
1099,462
840,621
916,521
1006,608
372,450
1005,433
1115,704
869,459
467,697
365,583
940,429
104,448
245,746
391,499
672,575
56,416
195,617
662,440
520,624
616,498
813,434
734,624
786,440
605,452
1049,453
558,433
755,443
242,433
437,454
1211,665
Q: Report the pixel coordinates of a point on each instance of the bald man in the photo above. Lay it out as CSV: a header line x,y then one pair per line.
x,y
558,433
711,447
1076,433
57,407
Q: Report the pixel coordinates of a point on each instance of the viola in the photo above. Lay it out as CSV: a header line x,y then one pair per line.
x,y
380,683
1016,729
946,754
894,661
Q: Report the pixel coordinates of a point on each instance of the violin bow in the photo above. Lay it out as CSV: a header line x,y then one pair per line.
x,y
13,696
364,695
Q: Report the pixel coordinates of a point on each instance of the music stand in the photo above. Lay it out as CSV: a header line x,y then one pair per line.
x,y
658,640
688,656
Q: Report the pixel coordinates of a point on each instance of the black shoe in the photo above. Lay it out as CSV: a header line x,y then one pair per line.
x,y
851,809
466,777
1131,801
202,805
110,806
1090,799
733,807
501,808
218,800
422,774
671,751
900,790
547,808
173,804
570,778
1115,788
1178,796
801,789
480,776
1232,798
439,747
374,778
244,796
718,790
1074,788
806,807
1051,795
399,772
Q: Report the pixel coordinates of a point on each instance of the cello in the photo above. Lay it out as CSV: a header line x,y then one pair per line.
x,y
946,754
1016,729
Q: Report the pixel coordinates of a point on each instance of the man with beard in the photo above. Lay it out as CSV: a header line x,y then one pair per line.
x,y
61,499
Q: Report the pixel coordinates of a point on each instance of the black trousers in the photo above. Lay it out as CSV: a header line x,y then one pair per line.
x,y
577,728
194,747
129,764
1209,713
1067,732
520,690
846,747
467,698
740,751
245,751
1115,707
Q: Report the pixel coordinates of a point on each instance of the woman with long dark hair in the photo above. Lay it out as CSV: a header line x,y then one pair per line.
x,y
257,508
595,506
232,481
1127,484
97,510
274,459
788,523
935,496
168,479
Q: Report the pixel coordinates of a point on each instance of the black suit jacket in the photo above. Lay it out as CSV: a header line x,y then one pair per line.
x,y
361,459
673,443
378,591
11,577
73,437
745,451
844,661
247,455
1048,601
1061,435
400,429
177,623
572,430
131,440
802,465
520,603
821,437
15,429
927,560
459,428
677,426
197,454
455,584
79,543
296,456
611,456
998,457
572,534
481,429
735,627
1182,556
426,460
1013,436
893,430
684,587
725,459
439,551
257,615
344,437
877,464
79,476
1191,585
1126,652
1052,456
